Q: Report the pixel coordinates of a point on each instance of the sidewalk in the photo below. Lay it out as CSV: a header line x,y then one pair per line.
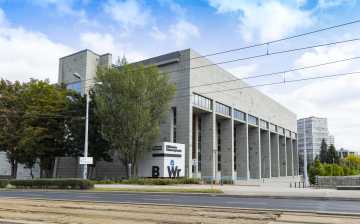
x,y
271,188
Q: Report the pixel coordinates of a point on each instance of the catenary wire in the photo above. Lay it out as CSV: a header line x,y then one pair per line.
x,y
270,42
253,57
269,84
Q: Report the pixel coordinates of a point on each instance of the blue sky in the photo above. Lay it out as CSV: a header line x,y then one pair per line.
x,y
34,34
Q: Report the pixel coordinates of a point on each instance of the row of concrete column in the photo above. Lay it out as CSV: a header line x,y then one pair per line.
x,y
259,152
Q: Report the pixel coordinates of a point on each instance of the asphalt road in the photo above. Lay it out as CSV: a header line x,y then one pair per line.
x,y
256,203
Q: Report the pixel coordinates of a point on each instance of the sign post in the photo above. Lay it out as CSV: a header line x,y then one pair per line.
x,y
194,162
172,163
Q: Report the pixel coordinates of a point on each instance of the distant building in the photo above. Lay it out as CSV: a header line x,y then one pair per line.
x,y
316,130
331,140
345,152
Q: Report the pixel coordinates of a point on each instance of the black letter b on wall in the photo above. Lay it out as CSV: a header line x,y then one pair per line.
x,y
155,171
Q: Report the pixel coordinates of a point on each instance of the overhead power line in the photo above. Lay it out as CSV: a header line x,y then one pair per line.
x,y
274,83
256,56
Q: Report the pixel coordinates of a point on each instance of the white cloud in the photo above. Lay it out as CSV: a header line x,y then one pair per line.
x,y
175,7
129,14
243,71
269,20
323,4
336,99
105,43
323,55
26,55
65,7
182,31
157,34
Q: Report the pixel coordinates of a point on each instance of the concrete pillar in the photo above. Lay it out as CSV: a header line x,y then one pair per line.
x,y
242,151
296,157
275,165
227,147
282,156
184,117
290,159
196,146
265,153
208,138
254,152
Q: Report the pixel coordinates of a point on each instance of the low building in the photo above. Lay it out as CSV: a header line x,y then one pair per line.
x,y
214,114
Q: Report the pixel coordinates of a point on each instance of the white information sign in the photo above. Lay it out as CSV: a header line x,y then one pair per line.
x,y
86,160
194,162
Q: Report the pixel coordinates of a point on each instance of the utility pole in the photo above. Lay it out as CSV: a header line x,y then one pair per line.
x,y
305,158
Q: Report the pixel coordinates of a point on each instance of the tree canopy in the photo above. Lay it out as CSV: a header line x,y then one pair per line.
x,y
98,147
323,156
44,137
131,102
12,110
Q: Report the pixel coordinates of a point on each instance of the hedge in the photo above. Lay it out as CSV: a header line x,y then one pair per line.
x,y
4,183
72,183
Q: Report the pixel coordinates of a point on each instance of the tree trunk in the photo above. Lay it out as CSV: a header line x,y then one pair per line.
x,y
31,173
14,165
133,171
57,167
127,172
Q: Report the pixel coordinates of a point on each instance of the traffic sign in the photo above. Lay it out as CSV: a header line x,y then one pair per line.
x,y
86,160
194,162
172,163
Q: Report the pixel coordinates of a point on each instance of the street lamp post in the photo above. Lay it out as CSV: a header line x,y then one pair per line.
x,y
305,158
86,122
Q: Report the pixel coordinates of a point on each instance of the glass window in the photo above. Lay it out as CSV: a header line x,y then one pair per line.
x,y
252,120
201,101
239,115
74,86
263,124
220,108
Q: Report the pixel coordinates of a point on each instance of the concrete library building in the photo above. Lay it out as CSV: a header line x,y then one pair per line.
x,y
231,128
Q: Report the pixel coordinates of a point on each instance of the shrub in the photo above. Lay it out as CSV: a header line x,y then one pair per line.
x,y
316,170
125,181
4,183
337,170
346,171
72,183
329,170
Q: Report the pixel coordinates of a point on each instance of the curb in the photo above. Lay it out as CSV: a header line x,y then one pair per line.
x,y
195,194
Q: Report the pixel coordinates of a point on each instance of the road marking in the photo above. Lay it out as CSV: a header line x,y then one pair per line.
x,y
86,197
249,203
34,194
157,199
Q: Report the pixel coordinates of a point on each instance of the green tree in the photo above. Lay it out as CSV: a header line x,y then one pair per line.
x,y
12,110
332,156
316,170
338,170
44,137
131,102
328,170
98,147
323,156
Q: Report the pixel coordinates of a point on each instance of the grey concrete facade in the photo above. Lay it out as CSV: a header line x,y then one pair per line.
x,y
211,95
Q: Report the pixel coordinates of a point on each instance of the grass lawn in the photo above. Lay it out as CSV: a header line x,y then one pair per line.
x,y
160,190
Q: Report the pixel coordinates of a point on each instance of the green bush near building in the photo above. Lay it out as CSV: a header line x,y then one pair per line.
x,y
329,170
4,183
72,183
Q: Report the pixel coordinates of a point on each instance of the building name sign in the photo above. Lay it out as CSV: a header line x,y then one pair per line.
x,y
172,148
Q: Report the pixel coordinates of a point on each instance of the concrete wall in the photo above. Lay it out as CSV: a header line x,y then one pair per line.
x,y
332,182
